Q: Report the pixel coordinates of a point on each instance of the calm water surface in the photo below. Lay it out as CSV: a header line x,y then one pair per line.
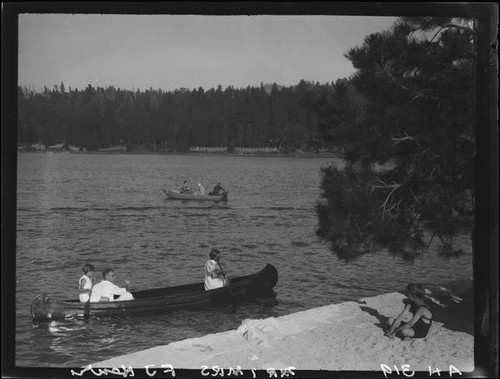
x,y
110,210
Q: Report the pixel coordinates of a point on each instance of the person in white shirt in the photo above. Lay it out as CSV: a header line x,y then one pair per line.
x,y
201,190
85,283
107,289
214,277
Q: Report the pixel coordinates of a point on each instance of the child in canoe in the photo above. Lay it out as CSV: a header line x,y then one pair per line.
x,y
85,283
418,313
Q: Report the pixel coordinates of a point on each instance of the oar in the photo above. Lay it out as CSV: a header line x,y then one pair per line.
x,y
233,298
86,309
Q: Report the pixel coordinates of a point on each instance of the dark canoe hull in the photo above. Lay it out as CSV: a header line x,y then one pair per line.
x,y
45,308
188,196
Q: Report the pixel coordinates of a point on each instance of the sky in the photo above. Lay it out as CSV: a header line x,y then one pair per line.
x,y
187,51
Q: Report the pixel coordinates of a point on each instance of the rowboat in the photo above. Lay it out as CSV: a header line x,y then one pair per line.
x,y
189,296
173,194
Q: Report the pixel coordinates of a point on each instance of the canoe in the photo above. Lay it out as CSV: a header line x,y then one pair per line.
x,y
173,194
189,296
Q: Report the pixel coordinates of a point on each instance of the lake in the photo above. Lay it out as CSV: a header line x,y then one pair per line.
x,y
110,210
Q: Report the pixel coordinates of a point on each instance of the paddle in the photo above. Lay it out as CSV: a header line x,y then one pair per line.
x,y
86,309
233,298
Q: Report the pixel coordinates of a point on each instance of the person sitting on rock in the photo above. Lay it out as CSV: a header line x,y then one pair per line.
x,y
418,313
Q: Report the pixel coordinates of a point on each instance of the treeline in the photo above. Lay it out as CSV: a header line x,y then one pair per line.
x,y
94,118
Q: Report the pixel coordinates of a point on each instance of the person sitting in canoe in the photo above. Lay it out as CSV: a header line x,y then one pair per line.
x,y
85,283
217,190
107,289
214,277
201,190
185,188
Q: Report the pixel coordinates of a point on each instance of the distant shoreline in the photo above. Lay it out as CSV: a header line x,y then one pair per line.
x,y
144,152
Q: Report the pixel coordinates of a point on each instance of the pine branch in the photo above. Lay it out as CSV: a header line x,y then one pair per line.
x,y
424,93
393,79
393,187
448,27
414,196
407,138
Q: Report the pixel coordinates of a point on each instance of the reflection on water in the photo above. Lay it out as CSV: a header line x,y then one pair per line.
x,y
111,211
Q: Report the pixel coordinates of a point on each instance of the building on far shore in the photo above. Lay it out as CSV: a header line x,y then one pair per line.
x,y
62,147
114,149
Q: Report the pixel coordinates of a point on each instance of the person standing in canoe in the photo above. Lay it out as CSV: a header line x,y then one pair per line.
x,y
214,277
85,283
107,289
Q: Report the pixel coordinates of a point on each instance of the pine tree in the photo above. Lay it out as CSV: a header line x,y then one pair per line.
x,y
418,80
